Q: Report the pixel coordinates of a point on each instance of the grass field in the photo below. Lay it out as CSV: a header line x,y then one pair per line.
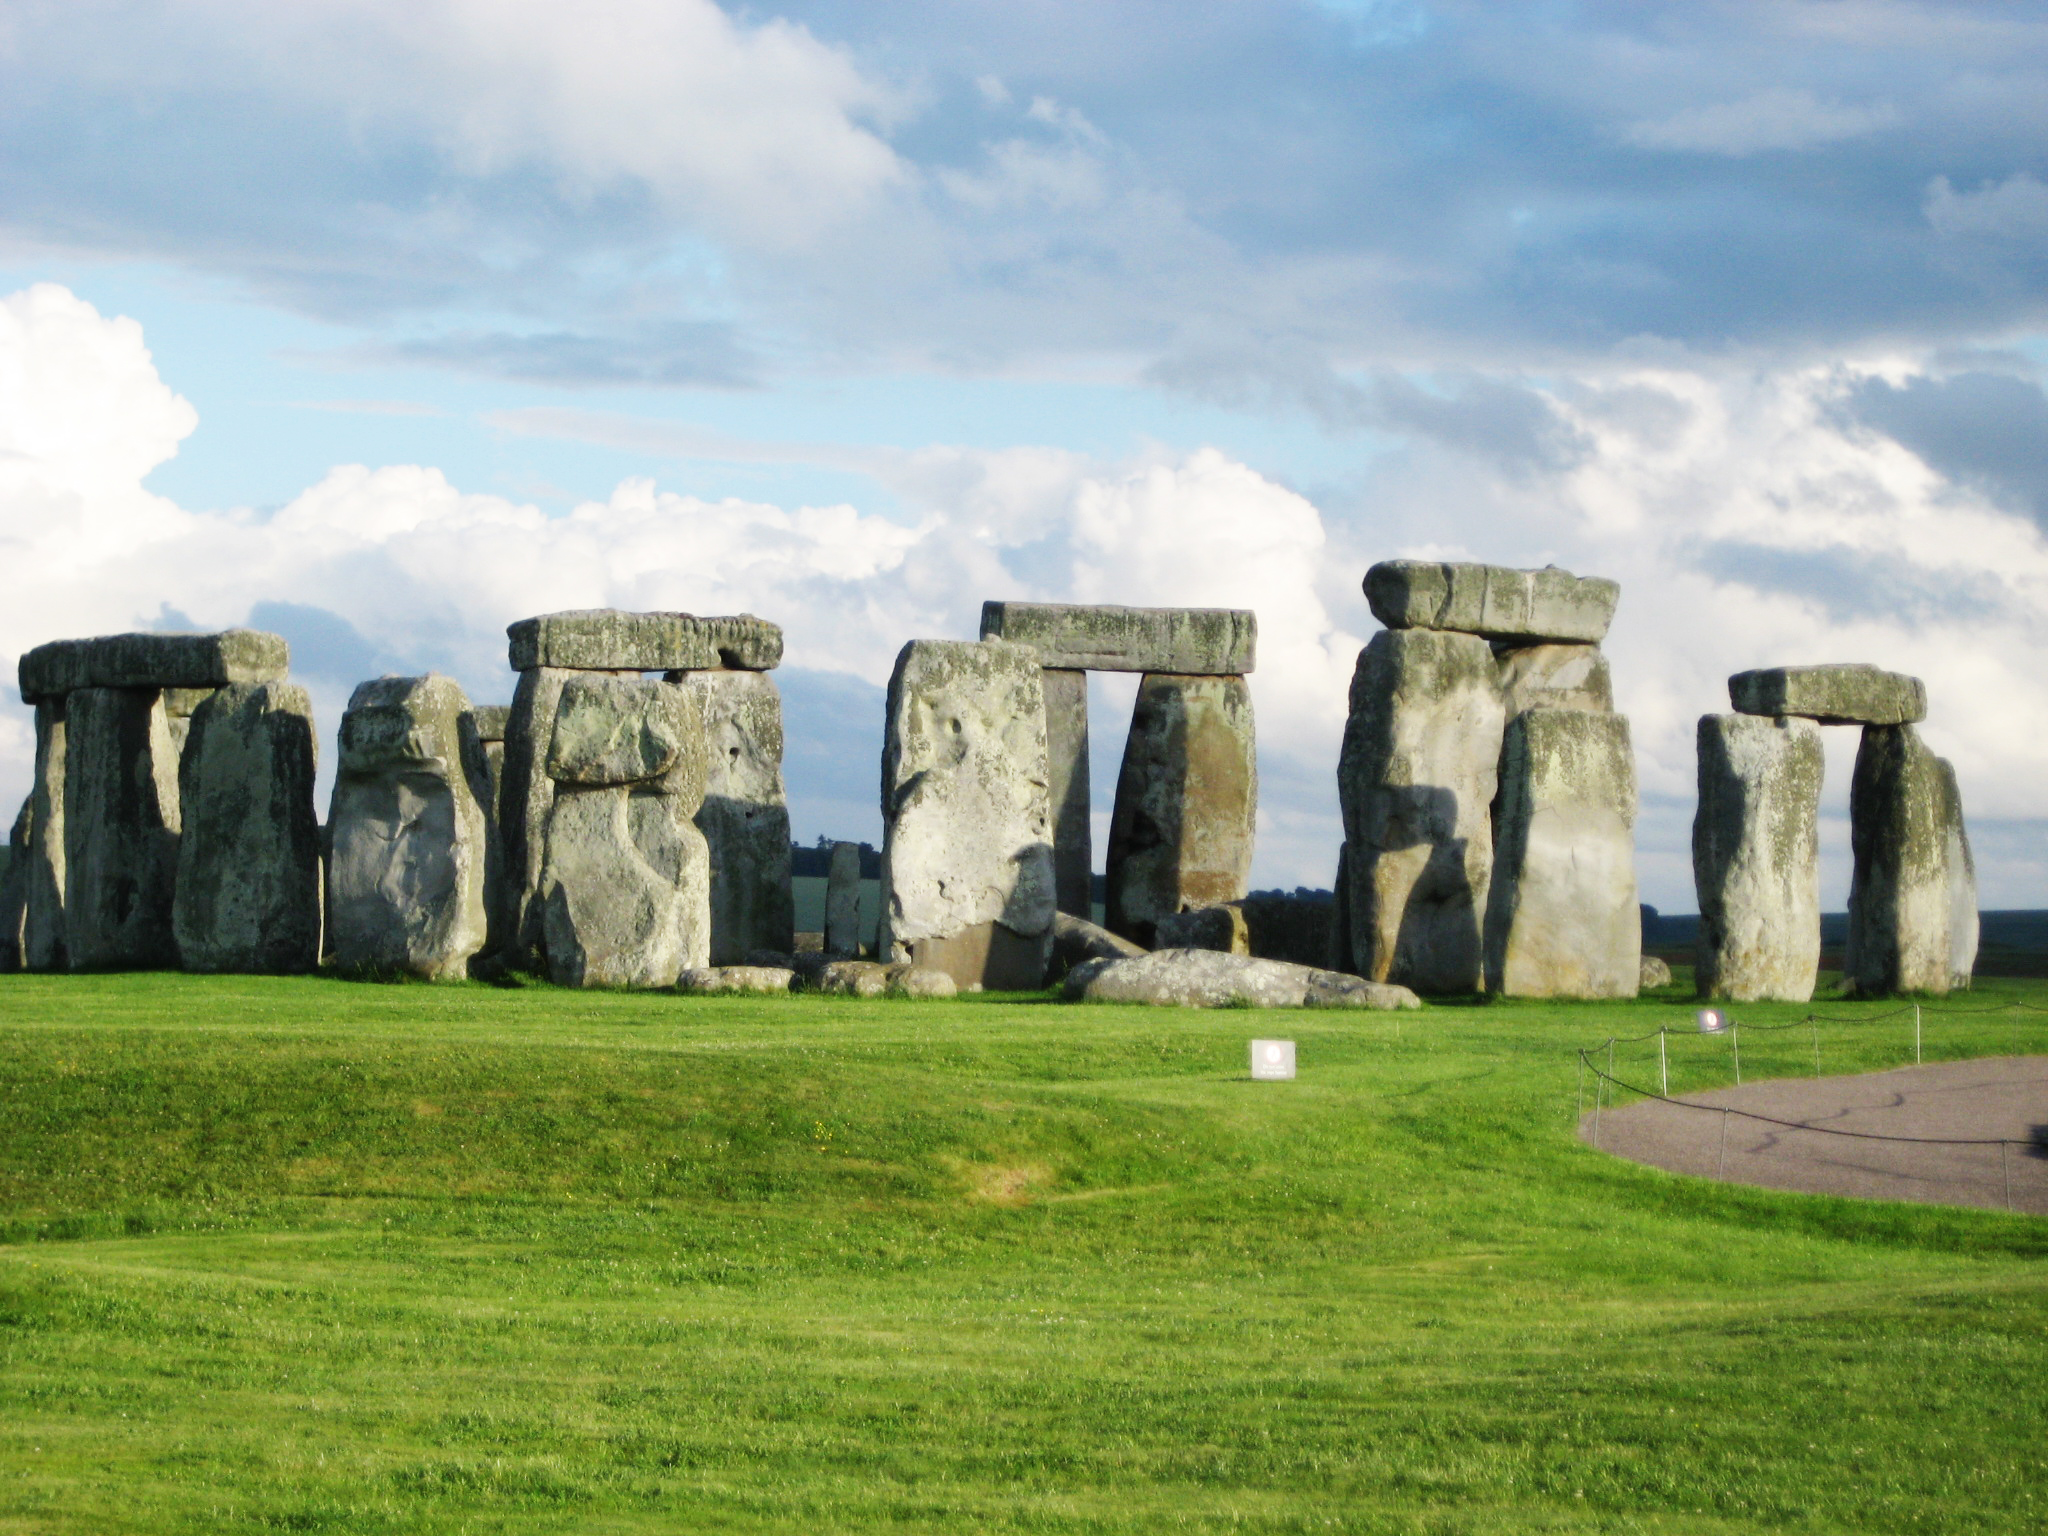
x,y
299,1255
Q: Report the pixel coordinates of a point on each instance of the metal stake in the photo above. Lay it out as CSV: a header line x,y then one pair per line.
x,y
1916,1034
1582,1086
1599,1092
1816,1044
1721,1162
1663,1068
1735,1045
2005,1174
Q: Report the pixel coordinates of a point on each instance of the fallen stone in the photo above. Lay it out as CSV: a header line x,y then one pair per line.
x,y
712,980
405,877
1655,973
152,661
1075,939
608,640
1562,918
1849,693
120,830
809,965
920,981
1205,978
1066,745
42,923
1187,803
1220,927
808,943
1518,607
1905,821
1416,783
745,814
1186,642
248,888
842,901
967,875
1557,677
1756,858
852,978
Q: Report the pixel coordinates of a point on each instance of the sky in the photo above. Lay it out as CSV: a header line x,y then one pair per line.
x,y
384,323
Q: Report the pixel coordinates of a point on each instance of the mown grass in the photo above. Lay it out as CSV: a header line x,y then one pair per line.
x,y
303,1255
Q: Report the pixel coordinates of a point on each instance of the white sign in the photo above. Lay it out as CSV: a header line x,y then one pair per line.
x,y
1273,1061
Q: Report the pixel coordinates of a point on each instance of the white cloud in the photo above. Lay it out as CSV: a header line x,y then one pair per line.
x,y
1773,119
2013,209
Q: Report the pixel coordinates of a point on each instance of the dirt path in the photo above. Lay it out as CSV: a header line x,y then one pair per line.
x,y
1999,1097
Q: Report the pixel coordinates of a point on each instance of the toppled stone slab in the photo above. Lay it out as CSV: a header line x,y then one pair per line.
x,y
1066,746
745,814
1655,973
1848,693
717,979
1518,607
1190,642
1906,831
1075,939
1416,782
1187,802
1556,677
967,876
248,891
121,827
842,901
153,661
609,640
1220,927
1561,916
851,978
1756,858
1205,978
405,876
920,981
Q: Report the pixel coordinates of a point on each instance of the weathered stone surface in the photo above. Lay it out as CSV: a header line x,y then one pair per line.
x,y
1075,939
616,730
1655,973
1220,927
711,980
42,924
1963,922
1850,693
1519,607
745,814
1341,956
852,978
14,891
120,830
1416,782
1066,746
842,901
248,891
1290,927
1756,858
1187,802
967,876
1186,642
1562,918
153,661
1555,676
179,706
1206,978
491,720
625,887
405,876
1905,828
608,640
920,981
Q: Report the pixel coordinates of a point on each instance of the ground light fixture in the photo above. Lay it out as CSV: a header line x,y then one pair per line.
x,y
1273,1061
1712,1021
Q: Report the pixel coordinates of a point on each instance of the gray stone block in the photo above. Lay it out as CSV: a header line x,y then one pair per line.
x,y
153,661
1655,973
621,730
1187,803
14,891
1416,782
1561,916
745,814
1206,978
1066,746
491,721
1906,832
1188,642
42,925
727,979
1756,858
1518,607
1075,939
842,901
608,640
967,873
406,874
1220,927
121,827
1555,677
1849,693
248,891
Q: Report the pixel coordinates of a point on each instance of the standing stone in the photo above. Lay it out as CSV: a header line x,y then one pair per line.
x,y
1962,883
487,722
179,706
1756,858
42,925
1903,818
1556,676
967,873
405,881
120,830
745,815
248,892
1561,914
1416,782
1340,957
842,901
1186,801
14,891
1499,603
1066,745
625,881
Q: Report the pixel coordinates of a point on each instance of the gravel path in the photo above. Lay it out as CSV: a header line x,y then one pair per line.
x,y
1997,1098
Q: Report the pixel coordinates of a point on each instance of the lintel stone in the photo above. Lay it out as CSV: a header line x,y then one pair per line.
x,y
1189,642
1847,693
609,640
1493,601
153,661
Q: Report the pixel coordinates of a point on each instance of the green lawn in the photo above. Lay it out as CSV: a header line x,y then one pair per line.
x,y
309,1256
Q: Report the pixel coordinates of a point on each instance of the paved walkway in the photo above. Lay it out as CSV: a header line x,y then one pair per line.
x,y
1999,1097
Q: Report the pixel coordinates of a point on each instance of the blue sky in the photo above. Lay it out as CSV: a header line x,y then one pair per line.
x,y
392,322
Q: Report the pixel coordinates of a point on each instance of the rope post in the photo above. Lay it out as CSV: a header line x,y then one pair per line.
x,y
1735,1045
1582,1087
2005,1174
1721,1162
1663,1067
1916,1034
1599,1092
1810,1019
